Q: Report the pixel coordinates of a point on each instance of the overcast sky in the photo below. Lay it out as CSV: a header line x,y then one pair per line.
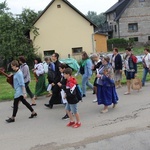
x,y
84,6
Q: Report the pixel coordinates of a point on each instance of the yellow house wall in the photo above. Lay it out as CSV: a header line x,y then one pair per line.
x,y
62,29
100,42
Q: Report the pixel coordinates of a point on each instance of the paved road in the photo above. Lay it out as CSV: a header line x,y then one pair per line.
x,y
127,127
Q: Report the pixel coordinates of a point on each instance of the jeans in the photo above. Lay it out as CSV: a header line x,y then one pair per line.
x,y
72,108
85,82
145,71
28,90
16,102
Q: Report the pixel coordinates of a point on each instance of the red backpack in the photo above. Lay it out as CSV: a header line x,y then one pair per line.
x,y
134,59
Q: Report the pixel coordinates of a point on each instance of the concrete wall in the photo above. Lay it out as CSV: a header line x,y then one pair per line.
x,y
137,12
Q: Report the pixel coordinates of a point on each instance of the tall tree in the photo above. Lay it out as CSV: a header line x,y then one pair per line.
x,y
98,20
3,7
14,34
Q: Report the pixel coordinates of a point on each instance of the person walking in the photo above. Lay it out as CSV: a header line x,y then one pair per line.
x,y
56,96
86,71
106,92
38,71
62,83
146,65
117,67
96,64
131,69
20,92
50,75
71,106
27,78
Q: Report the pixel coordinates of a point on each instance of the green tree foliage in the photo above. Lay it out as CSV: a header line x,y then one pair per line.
x,y
117,42
98,20
14,33
3,7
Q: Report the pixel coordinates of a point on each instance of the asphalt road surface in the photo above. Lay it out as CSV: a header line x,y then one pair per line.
x,y
127,127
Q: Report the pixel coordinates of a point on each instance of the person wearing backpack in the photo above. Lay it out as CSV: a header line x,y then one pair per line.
x,y
86,71
130,65
50,75
71,96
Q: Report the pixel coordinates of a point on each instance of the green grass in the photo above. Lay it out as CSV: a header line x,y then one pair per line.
x,y
7,92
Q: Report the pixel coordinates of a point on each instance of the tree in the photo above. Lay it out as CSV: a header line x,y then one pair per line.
x,y
3,7
98,20
14,34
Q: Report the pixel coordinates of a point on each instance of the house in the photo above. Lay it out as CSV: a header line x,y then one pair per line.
x,y
65,30
129,19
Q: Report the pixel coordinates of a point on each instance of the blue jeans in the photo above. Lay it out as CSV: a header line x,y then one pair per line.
x,y
85,82
145,71
72,108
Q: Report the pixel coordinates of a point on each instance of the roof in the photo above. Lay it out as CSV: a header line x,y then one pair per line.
x,y
70,5
101,33
119,8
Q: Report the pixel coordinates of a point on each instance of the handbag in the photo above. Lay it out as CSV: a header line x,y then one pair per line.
x,y
136,84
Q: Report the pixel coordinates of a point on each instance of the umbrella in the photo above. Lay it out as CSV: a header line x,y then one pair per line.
x,y
72,63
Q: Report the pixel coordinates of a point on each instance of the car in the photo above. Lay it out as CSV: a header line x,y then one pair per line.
x,y
139,58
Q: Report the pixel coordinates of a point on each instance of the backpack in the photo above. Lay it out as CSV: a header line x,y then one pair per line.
x,y
78,92
81,70
134,58
50,74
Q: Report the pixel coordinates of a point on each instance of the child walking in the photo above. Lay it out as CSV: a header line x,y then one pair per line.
x,y
71,106
62,83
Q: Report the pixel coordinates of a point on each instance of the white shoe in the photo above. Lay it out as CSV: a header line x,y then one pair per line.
x,y
95,100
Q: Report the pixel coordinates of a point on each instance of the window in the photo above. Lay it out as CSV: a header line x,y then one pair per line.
x,y
49,52
148,38
136,39
132,27
59,6
77,50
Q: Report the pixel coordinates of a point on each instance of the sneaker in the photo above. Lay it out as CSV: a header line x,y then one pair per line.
x,y
77,125
10,120
65,117
83,95
70,124
95,100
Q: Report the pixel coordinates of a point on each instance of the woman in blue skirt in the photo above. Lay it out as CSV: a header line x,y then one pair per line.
x,y
106,92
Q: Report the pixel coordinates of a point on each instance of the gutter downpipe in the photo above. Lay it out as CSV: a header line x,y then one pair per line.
x,y
93,44
118,29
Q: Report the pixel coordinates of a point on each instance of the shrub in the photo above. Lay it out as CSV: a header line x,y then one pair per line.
x,y
118,42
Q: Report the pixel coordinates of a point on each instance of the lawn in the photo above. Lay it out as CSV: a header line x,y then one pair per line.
x,y
6,91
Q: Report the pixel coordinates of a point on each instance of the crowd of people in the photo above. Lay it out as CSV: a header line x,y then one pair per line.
x,y
62,86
